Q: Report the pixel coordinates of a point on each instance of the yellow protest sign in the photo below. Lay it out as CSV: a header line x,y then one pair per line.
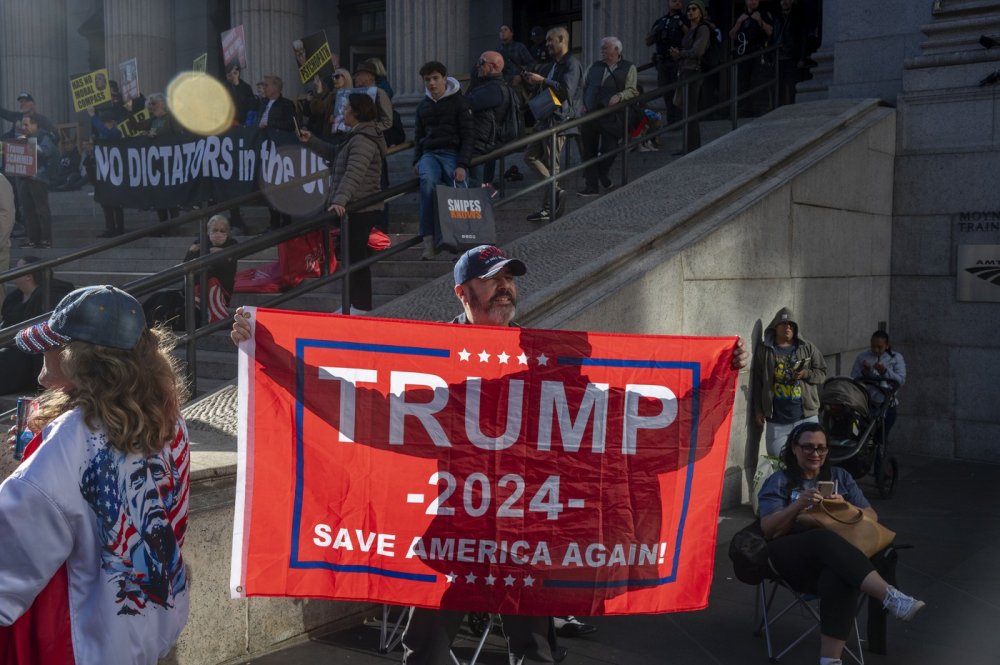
x,y
90,89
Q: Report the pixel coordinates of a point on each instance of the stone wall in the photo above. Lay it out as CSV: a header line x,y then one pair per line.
x,y
794,209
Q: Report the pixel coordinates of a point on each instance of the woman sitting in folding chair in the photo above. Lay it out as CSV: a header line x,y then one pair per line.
x,y
818,561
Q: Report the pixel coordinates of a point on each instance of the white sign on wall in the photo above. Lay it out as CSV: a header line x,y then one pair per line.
x,y
978,273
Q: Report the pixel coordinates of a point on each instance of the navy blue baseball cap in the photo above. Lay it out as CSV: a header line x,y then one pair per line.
x,y
102,315
484,262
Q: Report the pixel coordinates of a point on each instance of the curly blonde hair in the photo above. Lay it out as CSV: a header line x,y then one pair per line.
x,y
135,394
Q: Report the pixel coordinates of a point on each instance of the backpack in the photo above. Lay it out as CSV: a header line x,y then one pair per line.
x,y
395,134
712,57
510,126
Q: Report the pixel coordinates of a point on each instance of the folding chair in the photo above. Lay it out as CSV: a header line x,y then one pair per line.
x,y
767,616
391,632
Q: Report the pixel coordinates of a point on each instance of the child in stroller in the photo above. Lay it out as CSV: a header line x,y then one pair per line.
x,y
853,412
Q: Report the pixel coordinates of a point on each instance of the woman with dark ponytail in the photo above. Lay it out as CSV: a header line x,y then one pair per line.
x,y
881,362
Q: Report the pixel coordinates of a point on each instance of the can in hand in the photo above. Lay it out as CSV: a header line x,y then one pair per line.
x,y
25,409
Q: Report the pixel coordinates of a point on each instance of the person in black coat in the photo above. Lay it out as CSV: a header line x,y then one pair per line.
x,y
276,112
26,301
244,100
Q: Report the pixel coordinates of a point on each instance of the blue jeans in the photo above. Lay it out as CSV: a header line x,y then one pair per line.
x,y
434,168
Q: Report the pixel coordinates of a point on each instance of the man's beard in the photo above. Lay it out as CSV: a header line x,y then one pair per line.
x,y
495,312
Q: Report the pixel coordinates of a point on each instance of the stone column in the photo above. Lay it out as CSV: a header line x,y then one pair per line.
x,y
33,56
270,27
144,31
418,32
818,86
628,21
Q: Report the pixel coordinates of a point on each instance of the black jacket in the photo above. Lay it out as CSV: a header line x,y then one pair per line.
x,y
489,100
445,124
281,114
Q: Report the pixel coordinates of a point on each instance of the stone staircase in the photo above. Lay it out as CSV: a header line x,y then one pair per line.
x,y
77,220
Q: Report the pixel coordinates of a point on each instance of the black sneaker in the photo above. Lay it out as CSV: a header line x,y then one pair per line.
x,y
589,191
540,216
28,243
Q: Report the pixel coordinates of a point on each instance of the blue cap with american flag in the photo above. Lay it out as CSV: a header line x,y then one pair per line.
x,y
102,315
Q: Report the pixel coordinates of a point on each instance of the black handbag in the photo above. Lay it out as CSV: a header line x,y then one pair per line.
x,y
748,551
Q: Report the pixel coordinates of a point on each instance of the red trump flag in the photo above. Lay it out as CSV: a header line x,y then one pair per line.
x,y
463,467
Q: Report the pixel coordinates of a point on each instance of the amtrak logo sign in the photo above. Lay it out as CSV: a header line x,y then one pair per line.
x,y
978,273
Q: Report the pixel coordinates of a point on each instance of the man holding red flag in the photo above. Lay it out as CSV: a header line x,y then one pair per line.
x,y
485,285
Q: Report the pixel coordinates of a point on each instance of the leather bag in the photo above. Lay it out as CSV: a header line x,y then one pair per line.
x,y
850,523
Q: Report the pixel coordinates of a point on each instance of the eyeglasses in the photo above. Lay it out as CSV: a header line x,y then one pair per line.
x,y
814,450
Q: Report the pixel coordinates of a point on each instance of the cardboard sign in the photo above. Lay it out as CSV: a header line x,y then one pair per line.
x,y
90,89
129,79
20,157
234,48
134,124
315,57
509,470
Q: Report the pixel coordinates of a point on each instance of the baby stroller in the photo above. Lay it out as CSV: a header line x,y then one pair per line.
x,y
853,413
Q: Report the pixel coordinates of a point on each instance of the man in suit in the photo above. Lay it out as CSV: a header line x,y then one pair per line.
x,y
276,112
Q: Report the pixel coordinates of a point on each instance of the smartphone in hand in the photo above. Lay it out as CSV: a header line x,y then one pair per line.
x,y
827,488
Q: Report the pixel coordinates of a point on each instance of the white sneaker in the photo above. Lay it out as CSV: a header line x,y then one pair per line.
x,y
900,605
430,251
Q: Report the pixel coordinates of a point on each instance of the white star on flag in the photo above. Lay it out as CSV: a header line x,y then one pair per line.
x,y
490,579
509,580
503,357
463,355
543,359
450,577
522,359
484,357
529,581
470,578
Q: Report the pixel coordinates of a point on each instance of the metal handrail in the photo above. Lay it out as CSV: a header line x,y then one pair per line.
x,y
187,271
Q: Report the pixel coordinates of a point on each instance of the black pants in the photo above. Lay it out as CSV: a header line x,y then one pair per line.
x,y
667,72
598,138
693,87
114,219
35,210
751,73
359,226
821,562
429,634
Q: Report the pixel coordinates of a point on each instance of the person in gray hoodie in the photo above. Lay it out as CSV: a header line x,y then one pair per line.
x,y
357,174
784,378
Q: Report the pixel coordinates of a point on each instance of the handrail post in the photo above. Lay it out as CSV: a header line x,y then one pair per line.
x,y
345,252
189,327
734,94
553,185
685,103
625,141
204,244
503,180
777,79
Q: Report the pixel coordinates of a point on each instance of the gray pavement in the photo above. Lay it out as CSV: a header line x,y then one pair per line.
x,y
947,510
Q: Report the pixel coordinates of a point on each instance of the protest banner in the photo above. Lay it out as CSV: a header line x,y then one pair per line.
x,y
200,63
234,48
484,469
314,57
182,170
129,79
134,124
90,89
20,157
